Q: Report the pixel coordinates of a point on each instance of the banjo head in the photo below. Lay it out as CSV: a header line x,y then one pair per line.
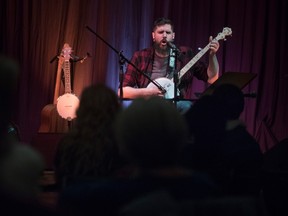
x,y
167,84
67,105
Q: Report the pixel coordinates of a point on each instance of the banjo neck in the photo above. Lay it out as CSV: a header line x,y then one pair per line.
x,y
67,50
193,61
66,69
221,36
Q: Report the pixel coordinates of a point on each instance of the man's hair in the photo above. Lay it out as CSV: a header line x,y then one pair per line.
x,y
162,21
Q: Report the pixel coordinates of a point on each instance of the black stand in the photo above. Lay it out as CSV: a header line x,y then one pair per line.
x,y
122,60
121,75
239,79
69,125
172,65
72,60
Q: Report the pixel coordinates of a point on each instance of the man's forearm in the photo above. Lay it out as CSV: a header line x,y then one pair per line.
x,y
213,69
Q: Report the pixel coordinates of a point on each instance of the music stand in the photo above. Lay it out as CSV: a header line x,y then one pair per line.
x,y
239,79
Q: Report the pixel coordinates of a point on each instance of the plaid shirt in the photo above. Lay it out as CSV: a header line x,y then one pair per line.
x,y
143,60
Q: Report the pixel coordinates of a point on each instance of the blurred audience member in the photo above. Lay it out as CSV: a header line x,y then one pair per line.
x,y
206,123
221,144
89,149
240,151
150,134
275,178
20,166
9,71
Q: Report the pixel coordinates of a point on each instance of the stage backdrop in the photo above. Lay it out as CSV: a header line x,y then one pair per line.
x,y
34,31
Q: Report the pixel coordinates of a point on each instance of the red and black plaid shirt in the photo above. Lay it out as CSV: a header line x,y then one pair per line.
x,y
143,61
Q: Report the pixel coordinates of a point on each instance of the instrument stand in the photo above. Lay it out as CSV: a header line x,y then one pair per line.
x,y
122,60
69,125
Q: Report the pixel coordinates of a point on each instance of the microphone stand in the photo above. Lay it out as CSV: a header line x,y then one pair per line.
x,y
121,75
172,65
122,60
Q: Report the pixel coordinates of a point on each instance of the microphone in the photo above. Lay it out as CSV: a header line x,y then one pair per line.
x,y
173,46
172,58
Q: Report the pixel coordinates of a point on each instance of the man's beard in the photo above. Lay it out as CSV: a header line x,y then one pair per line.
x,y
160,48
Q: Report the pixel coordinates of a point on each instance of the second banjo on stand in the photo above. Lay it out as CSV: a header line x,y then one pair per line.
x,y
68,103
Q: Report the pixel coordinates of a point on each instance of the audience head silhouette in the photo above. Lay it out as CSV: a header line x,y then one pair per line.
x,y
151,132
97,101
206,120
232,99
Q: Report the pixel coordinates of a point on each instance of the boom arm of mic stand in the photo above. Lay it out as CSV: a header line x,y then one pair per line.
x,y
123,58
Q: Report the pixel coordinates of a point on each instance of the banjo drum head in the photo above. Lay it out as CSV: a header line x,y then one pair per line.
x,y
67,105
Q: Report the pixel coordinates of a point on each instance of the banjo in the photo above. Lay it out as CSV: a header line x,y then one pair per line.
x,y
168,84
68,103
